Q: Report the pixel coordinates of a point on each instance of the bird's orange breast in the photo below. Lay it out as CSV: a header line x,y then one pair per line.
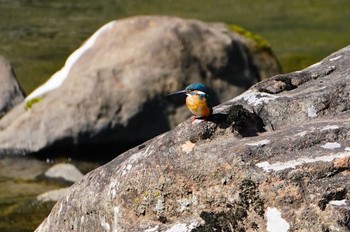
x,y
198,105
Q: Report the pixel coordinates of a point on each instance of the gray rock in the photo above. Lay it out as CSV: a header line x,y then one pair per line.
x,y
11,93
52,196
274,158
114,87
67,172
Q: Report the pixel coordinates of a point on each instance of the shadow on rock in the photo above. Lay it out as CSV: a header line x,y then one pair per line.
x,y
245,123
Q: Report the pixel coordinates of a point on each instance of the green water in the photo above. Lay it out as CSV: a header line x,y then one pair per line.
x,y
38,35
21,182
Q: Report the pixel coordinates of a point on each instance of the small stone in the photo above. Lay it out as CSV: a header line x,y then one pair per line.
x,y
53,195
67,172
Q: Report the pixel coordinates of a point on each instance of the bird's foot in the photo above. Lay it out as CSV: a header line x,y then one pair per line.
x,y
197,120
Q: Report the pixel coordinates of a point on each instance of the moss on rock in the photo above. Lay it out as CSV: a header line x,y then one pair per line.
x,y
260,41
31,102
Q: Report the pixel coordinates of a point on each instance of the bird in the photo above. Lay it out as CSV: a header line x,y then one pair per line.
x,y
197,100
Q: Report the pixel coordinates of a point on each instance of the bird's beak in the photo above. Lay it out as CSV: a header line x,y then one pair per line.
x,y
177,92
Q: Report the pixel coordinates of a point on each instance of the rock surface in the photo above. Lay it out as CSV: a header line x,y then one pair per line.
x,y
53,195
275,157
11,94
113,88
64,171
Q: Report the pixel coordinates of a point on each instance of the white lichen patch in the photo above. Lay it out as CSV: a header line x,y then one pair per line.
x,y
331,146
116,216
311,112
259,143
347,149
184,204
57,79
275,222
61,206
129,163
338,202
278,166
182,227
153,229
105,225
187,147
330,127
159,207
193,225
335,58
126,169
256,98
140,155
113,193
301,134
113,188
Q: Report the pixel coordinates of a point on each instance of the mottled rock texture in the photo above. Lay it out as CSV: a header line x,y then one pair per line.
x,y
276,156
115,87
11,94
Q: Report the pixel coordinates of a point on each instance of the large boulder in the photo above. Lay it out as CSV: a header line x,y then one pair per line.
x,y
11,93
275,158
113,88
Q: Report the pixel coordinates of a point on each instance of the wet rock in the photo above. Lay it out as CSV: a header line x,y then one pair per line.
x,y
113,89
291,174
64,171
11,93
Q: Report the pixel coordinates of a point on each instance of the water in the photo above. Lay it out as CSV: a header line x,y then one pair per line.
x,y
38,35
21,182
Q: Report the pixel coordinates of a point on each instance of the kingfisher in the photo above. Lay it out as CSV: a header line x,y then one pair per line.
x,y
197,100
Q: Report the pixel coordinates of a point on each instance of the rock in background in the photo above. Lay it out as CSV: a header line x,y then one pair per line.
x,y
11,94
31,187
113,89
275,158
